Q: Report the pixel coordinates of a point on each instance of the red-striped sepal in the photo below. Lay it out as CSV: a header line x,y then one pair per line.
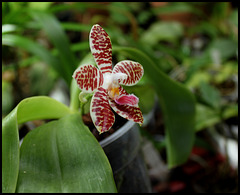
x,y
132,113
101,48
100,111
88,78
133,70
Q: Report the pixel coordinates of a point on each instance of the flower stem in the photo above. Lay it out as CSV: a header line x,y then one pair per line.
x,y
74,93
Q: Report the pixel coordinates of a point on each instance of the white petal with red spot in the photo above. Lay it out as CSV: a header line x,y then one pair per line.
x,y
88,78
133,70
101,48
100,111
132,113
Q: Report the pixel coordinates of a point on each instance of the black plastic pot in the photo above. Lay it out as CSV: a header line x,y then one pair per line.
x,y
124,154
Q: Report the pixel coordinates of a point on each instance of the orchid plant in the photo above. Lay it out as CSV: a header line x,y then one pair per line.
x,y
62,155
106,83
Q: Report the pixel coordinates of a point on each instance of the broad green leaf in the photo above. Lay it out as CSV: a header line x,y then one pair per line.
x,y
28,109
10,152
57,36
63,156
178,106
41,107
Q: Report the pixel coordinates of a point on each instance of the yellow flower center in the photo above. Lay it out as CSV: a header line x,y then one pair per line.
x,y
113,90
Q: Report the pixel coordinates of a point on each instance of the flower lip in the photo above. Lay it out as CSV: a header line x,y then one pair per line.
x,y
111,83
130,100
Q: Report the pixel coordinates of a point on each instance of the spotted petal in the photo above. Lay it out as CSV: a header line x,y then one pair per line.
x,y
133,70
88,78
101,48
132,113
100,111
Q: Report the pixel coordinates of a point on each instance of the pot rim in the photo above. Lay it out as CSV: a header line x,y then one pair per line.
x,y
121,131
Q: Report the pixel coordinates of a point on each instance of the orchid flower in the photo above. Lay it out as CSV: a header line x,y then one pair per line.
x,y
106,83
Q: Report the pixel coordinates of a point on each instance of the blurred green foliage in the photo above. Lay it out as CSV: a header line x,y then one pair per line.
x,y
195,43
200,55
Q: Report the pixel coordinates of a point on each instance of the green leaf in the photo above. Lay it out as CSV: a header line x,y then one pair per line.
x,y
220,10
233,18
226,48
170,31
28,109
178,106
146,95
74,94
7,98
176,7
10,152
82,46
7,28
64,156
75,26
210,95
41,107
39,5
198,77
206,117
55,33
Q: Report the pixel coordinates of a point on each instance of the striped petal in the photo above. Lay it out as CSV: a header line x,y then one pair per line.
x,y
133,70
132,113
100,111
88,78
101,48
